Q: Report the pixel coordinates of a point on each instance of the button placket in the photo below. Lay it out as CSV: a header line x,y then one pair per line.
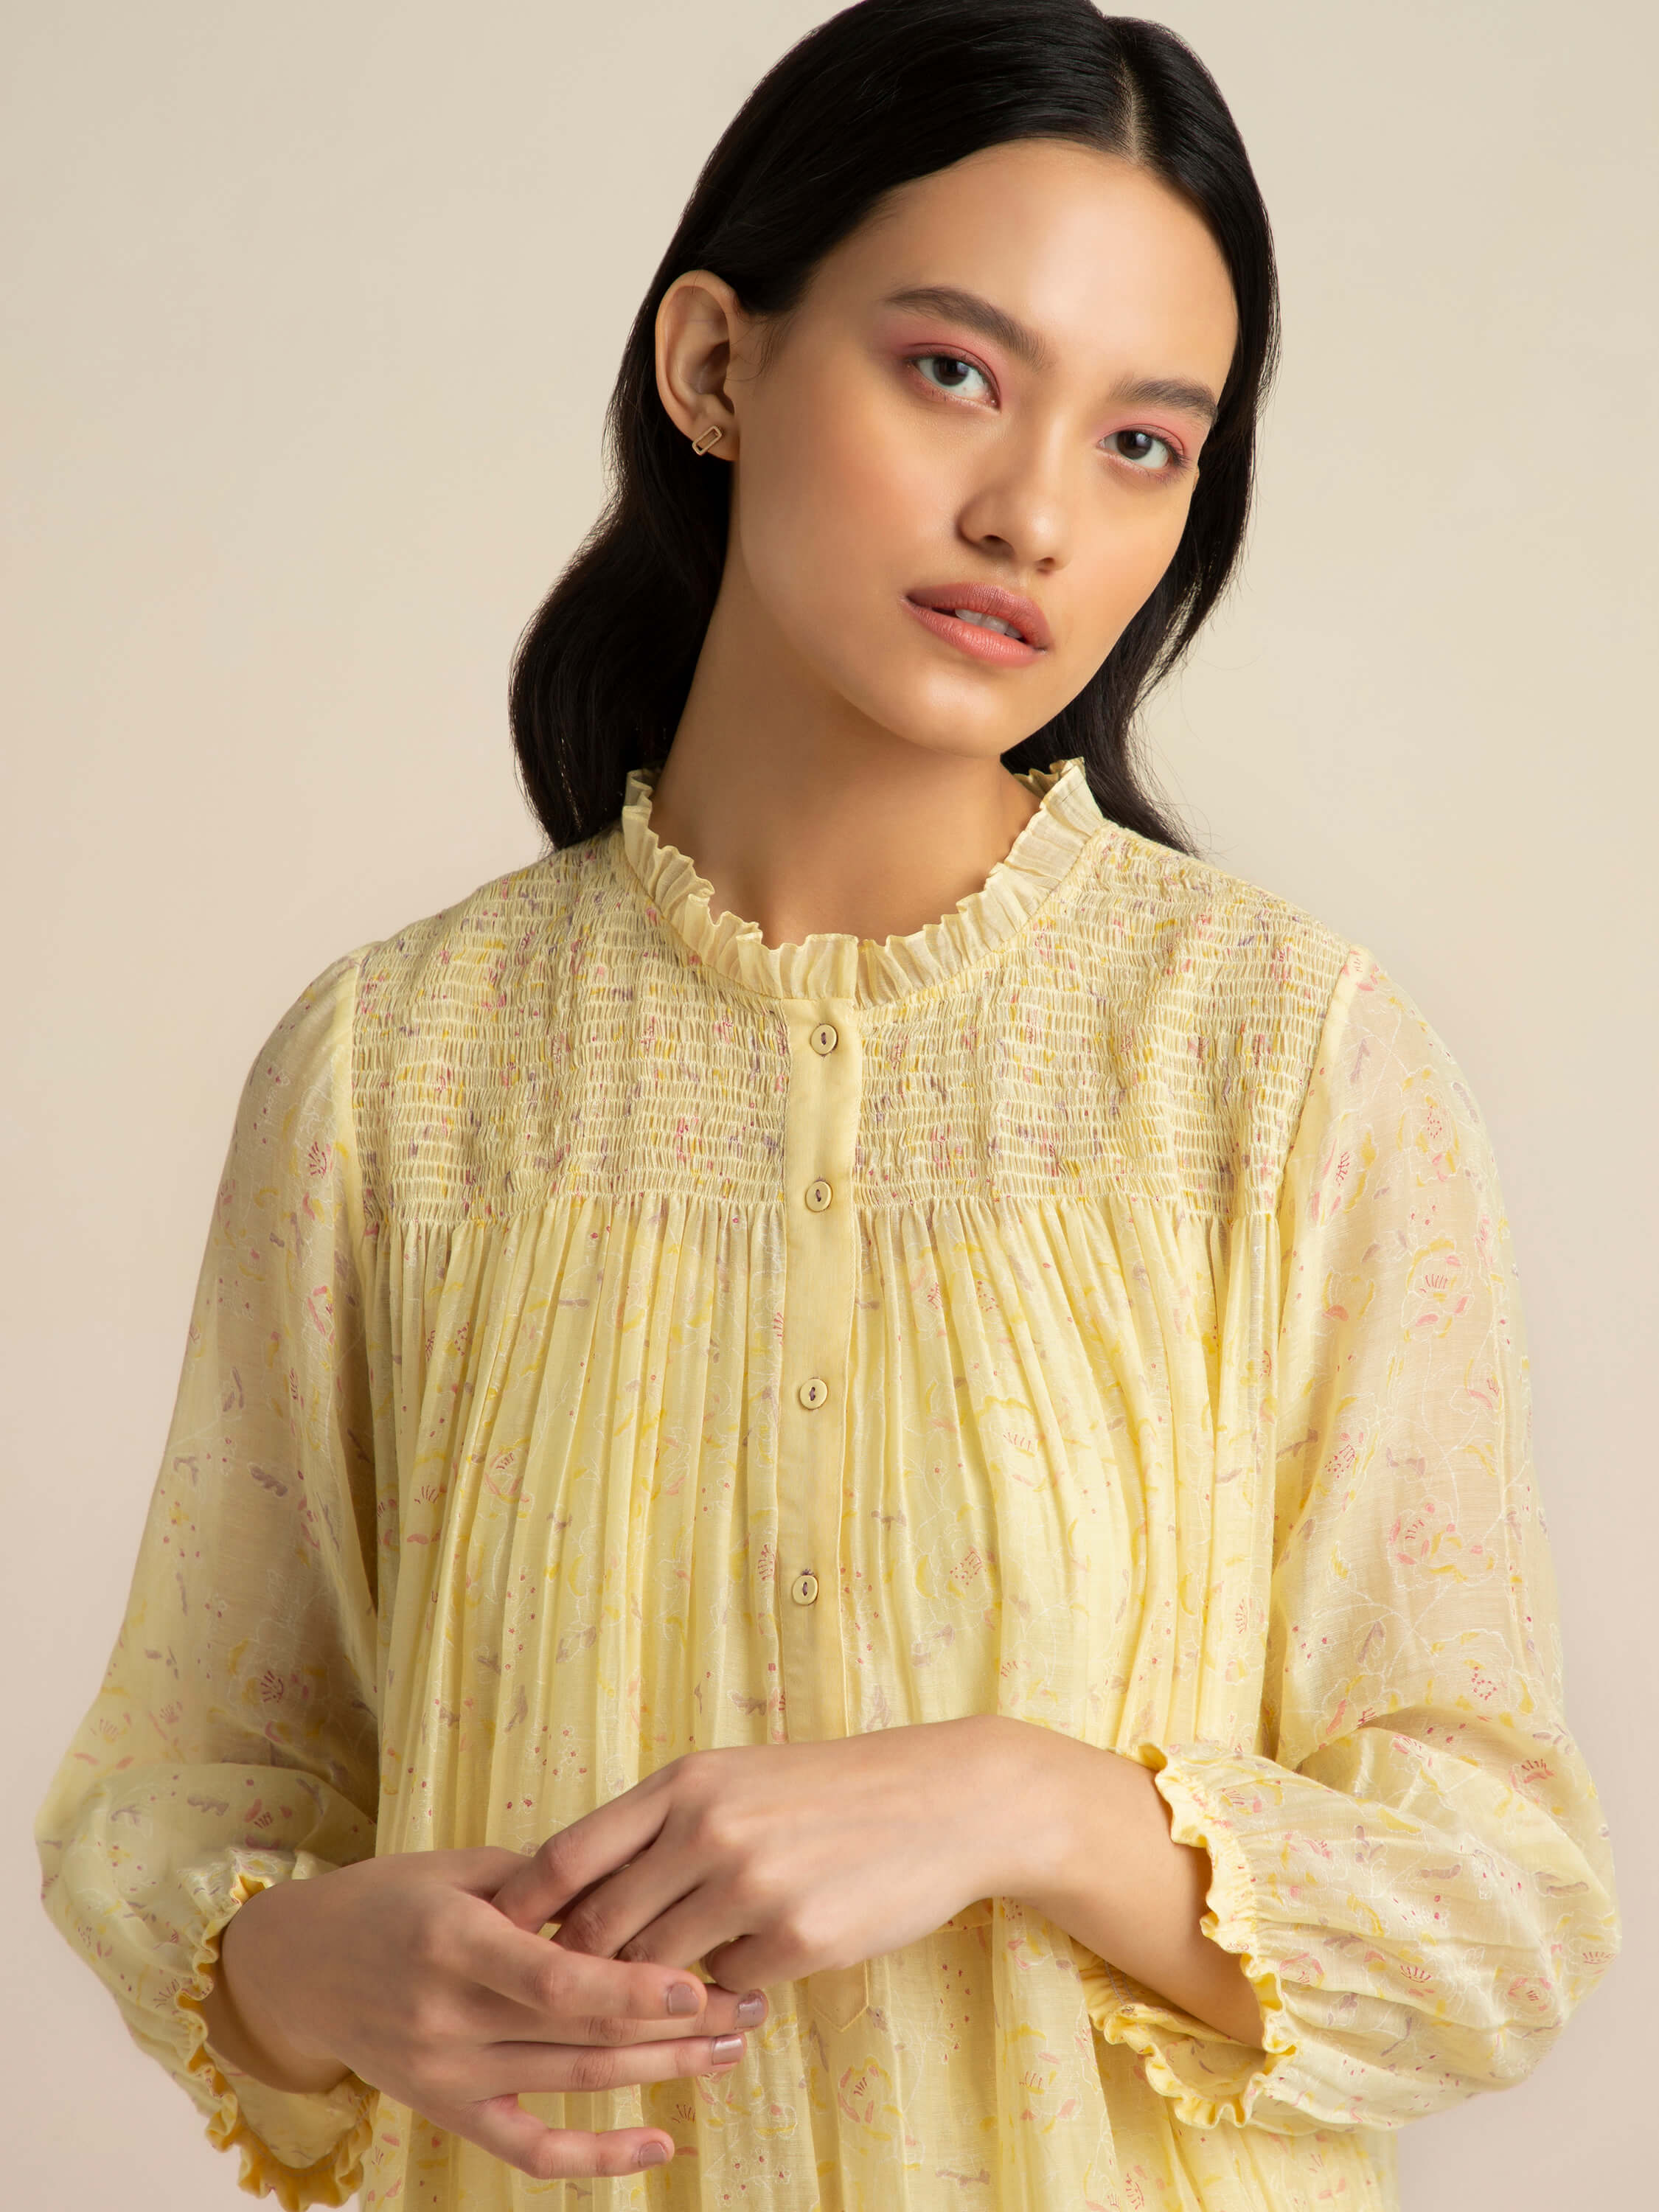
x,y
820,1133
820,1138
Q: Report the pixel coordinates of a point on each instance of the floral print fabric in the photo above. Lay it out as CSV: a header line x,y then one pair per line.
x,y
1175,1398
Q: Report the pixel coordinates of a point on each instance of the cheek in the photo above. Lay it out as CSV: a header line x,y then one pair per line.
x,y
839,494
1137,543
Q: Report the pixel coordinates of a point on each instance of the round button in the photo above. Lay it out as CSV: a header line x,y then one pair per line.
x,y
804,1588
813,1391
818,1196
824,1037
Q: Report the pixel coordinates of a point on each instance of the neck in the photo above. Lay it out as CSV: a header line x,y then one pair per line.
x,y
804,824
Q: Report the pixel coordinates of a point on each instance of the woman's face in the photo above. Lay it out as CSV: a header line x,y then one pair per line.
x,y
1003,379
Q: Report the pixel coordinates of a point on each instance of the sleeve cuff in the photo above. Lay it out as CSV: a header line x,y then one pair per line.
x,y
1207,2076
302,2148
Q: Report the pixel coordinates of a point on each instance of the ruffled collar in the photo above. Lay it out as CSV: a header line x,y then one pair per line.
x,y
833,963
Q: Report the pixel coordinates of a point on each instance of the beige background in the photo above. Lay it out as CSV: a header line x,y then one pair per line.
x,y
311,313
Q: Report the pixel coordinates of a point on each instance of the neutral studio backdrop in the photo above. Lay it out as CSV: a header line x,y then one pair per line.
x,y
310,315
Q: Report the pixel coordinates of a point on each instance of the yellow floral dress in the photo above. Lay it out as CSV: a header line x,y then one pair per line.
x,y
617,1336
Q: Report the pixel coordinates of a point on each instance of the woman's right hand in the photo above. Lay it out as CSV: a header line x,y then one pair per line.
x,y
401,1969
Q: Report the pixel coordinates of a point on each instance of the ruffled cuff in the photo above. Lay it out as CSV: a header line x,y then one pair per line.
x,y
301,2147
1207,2076
1338,2049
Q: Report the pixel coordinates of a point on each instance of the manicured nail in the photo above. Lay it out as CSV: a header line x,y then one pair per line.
x,y
727,2049
752,2007
653,2155
682,1998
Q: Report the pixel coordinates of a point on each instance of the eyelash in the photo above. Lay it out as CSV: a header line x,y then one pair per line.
x,y
1177,460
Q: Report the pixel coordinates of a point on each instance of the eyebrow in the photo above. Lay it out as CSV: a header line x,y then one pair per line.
x,y
993,322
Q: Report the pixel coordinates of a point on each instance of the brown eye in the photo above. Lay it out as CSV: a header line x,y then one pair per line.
x,y
1144,446
954,367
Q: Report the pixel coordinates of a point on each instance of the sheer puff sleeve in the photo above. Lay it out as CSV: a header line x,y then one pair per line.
x,y
1415,1872
233,1742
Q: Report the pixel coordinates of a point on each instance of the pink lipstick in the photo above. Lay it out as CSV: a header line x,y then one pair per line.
x,y
942,608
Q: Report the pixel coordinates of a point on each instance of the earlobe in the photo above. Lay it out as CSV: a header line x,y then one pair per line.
x,y
694,347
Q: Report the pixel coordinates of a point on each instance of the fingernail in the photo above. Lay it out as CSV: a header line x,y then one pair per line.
x,y
727,2048
752,2007
682,1998
654,2155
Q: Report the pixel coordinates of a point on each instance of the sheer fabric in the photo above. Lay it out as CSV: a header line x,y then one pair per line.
x,y
1175,1398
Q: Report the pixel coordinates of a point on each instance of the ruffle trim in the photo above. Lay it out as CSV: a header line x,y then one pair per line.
x,y
336,2175
1207,2077
833,963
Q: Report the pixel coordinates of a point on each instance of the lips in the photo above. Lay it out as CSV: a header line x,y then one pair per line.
x,y
988,599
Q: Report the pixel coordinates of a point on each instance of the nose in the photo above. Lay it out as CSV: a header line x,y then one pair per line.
x,y
1023,501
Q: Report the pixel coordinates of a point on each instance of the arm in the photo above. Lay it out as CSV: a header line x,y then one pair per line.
x,y
260,2052
1414,1871
1100,1811
233,1743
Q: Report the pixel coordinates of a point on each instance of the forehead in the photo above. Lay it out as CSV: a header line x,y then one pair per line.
x,y
1095,253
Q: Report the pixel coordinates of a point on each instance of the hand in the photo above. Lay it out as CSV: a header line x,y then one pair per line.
x,y
768,1862
401,1969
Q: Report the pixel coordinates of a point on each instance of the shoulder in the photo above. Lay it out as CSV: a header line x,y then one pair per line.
x,y
1223,945
299,1075
443,968
465,1025
1385,1082
1212,994
429,1020
467,959
1291,1037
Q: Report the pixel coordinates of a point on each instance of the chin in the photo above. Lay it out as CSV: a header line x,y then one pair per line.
x,y
950,725
928,735
965,746
929,707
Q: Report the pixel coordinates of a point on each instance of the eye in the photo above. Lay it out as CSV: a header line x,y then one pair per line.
x,y
951,361
1142,445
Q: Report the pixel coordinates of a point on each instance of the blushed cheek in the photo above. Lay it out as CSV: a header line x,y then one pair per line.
x,y
890,477
855,490
839,524
1138,563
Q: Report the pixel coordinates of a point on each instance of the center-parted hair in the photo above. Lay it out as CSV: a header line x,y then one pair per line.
x,y
883,93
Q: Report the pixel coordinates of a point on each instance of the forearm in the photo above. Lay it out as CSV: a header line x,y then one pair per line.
x,y
241,2033
227,2037
1100,1863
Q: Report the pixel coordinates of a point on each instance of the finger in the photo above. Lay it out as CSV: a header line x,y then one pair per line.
x,y
502,2126
595,1999
492,2019
587,1891
684,1932
602,1920
525,2069
744,1964
576,1857
479,1868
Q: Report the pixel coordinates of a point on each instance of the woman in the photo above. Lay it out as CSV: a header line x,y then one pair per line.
x,y
870,1390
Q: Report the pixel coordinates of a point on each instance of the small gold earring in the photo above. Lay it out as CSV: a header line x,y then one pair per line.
x,y
700,445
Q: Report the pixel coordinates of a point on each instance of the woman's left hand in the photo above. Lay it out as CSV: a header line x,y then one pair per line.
x,y
768,1862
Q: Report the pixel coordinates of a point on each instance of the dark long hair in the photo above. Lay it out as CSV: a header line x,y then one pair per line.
x,y
885,91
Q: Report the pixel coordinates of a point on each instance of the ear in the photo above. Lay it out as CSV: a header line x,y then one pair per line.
x,y
701,327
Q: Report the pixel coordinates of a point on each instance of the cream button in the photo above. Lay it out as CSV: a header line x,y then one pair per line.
x,y
818,1196
825,1038
804,1588
813,1391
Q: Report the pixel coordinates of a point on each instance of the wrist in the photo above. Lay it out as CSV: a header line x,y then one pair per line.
x,y
1117,1881
242,2026
1021,1773
1088,1820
